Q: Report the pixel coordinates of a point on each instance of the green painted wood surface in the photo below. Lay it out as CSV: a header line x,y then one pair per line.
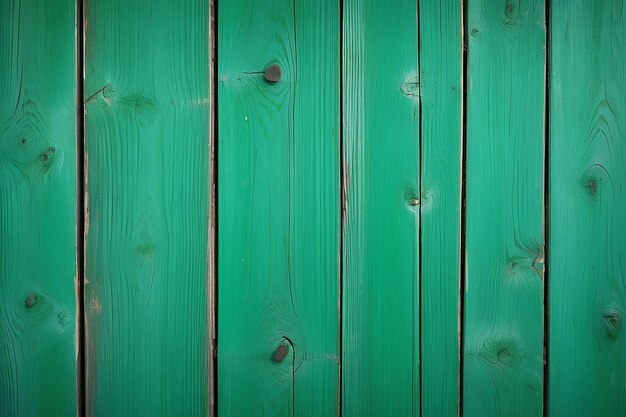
x,y
147,135
278,208
147,157
503,317
37,208
587,256
441,92
381,225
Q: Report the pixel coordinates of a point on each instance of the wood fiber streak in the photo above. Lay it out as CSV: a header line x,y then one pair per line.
x,y
147,135
503,317
441,94
380,367
278,208
37,208
587,257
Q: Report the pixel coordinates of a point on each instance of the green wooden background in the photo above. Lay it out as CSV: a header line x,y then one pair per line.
x,y
424,216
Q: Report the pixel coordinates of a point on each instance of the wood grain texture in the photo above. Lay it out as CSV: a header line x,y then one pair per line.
x,y
278,208
212,236
146,133
37,208
441,93
380,365
503,317
587,254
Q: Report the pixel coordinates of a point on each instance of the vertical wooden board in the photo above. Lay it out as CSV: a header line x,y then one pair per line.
x,y
38,208
146,133
278,208
380,365
503,317
441,72
212,235
587,255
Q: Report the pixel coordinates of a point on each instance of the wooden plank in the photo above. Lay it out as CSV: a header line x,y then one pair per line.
x,y
503,317
212,238
147,136
278,208
380,365
38,323
587,257
441,93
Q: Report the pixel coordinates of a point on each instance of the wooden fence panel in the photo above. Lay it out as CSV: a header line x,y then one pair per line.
x,y
38,306
441,93
147,135
322,308
503,339
381,225
587,256
278,208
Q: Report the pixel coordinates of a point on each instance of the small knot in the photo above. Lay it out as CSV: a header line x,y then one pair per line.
x,y
273,74
592,180
612,322
510,11
62,317
280,353
513,268
592,187
475,32
46,158
411,199
504,355
31,300
411,87
502,352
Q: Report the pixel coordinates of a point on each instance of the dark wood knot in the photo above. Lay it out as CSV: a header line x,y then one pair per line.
x,y
273,73
280,353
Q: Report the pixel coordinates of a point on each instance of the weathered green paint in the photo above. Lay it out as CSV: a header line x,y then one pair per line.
x,y
381,226
278,208
503,317
587,256
148,272
441,93
147,135
37,208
